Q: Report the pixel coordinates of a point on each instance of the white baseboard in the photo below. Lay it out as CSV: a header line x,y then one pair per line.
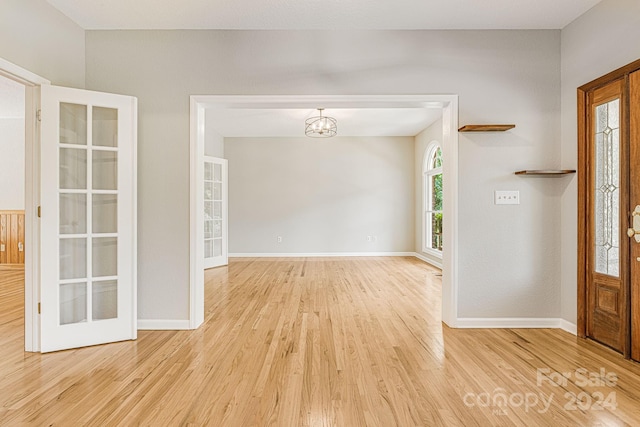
x,y
428,260
317,254
334,254
569,327
162,325
509,323
517,323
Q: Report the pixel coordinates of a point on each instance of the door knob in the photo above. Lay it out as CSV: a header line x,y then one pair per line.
x,y
634,231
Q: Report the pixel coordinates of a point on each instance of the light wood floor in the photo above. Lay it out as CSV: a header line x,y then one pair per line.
x,y
316,342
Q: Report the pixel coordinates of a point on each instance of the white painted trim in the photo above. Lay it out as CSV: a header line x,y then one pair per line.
x,y
31,82
318,254
134,215
509,323
433,253
450,212
572,328
328,101
335,254
196,215
433,262
21,75
32,224
449,105
163,325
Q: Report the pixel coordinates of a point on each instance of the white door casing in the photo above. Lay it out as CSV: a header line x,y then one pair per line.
x,y
88,218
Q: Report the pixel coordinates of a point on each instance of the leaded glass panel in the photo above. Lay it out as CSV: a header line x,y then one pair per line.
x,y
607,189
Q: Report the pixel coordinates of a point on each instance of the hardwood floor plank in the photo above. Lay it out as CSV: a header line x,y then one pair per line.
x,y
316,342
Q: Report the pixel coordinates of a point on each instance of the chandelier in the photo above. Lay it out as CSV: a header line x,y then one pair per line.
x,y
320,126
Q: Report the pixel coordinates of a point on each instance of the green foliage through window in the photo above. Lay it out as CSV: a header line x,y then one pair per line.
x,y
433,219
437,159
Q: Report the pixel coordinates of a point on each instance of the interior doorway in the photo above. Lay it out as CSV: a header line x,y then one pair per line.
x,y
609,210
448,104
12,208
31,83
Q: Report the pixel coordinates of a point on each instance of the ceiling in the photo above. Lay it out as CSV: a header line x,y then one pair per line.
x,y
327,14
351,121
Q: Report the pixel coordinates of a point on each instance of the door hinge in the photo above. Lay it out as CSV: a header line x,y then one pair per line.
x,y
39,115
39,309
39,212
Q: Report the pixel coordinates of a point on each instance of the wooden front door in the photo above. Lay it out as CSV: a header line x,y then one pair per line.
x,y
609,248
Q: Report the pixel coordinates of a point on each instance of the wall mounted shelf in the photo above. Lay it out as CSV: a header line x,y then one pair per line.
x,y
485,128
547,172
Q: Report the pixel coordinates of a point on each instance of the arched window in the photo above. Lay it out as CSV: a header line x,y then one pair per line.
x,y
432,185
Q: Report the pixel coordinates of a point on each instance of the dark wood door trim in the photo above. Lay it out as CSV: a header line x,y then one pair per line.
x,y
583,177
610,77
634,178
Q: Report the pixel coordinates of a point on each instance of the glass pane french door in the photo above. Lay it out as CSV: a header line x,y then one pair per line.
x,y
88,284
215,212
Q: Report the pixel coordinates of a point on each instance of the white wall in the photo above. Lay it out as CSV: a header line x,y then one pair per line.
x,y
422,141
509,265
602,40
12,162
39,38
213,141
320,195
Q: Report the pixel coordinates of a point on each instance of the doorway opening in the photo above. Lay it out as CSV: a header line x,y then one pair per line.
x,y
448,104
30,83
12,207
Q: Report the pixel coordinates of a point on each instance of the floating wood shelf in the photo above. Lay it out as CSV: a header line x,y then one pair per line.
x,y
485,128
547,172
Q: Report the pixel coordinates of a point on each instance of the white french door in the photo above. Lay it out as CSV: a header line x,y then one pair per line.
x,y
215,212
88,218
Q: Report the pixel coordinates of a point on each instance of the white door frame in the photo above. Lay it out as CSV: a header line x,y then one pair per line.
x,y
449,105
31,82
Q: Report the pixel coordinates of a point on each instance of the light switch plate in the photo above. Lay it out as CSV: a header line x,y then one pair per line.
x,y
507,198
